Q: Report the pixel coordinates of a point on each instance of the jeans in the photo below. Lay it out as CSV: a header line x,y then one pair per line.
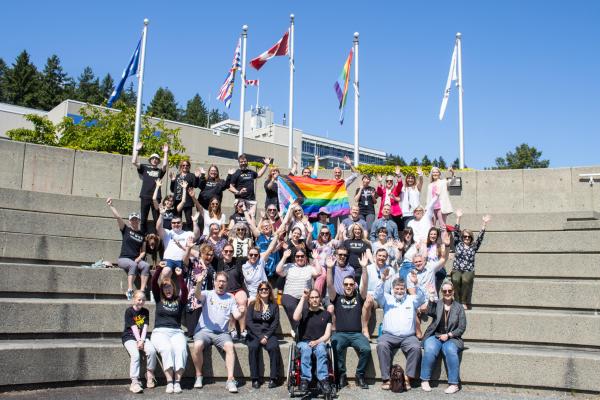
x,y
432,346
405,268
341,341
306,352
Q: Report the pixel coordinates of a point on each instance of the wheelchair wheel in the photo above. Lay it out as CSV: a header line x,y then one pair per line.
x,y
291,378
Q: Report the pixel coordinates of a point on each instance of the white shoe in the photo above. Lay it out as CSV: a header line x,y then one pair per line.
x,y
169,388
231,386
451,389
176,388
135,387
425,386
198,382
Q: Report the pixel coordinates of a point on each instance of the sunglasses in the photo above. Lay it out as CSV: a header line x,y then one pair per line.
x,y
342,255
264,289
175,222
467,237
325,233
186,165
300,256
253,255
348,284
447,291
214,204
227,251
271,210
210,254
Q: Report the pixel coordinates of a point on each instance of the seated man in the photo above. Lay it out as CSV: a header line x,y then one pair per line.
x,y
375,270
354,218
217,307
314,331
399,314
348,309
385,221
174,241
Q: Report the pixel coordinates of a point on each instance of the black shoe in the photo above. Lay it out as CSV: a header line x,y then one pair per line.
x,y
343,381
303,386
360,382
273,383
256,384
325,387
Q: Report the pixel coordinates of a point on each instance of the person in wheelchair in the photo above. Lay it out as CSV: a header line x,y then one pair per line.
x,y
314,330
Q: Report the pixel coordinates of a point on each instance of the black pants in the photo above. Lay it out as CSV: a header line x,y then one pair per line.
x,y
400,222
254,350
145,208
289,304
187,211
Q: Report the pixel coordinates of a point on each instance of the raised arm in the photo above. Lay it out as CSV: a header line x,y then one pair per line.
x,y
364,278
279,269
358,194
420,179
199,283
252,223
154,283
115,213
298,311
330,264
316,266
485,219
379,294
184,194
263,169
155,202
165,163
197,204
316,166
134,158
159,223
183,289
294,170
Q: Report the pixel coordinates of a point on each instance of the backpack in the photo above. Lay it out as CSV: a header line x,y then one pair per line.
x,y
397,383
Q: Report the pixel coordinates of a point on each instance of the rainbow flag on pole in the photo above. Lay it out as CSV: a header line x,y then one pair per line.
x,y
341,85
313,194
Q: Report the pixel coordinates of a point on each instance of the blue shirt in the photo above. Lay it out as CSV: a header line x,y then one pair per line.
x,y
399,315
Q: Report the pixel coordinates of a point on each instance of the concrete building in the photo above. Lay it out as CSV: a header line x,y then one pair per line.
x,y
219,144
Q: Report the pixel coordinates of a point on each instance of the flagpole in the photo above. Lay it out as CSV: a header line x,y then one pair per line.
x,y
461,137
291,110
138,106
243,94
356,96
257,93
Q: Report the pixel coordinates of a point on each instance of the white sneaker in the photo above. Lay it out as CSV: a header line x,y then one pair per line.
x,y
198,383
176,388
425,386
135,387
231,386
169,388
452,389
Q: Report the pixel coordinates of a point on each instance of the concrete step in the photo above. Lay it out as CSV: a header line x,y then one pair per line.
x,y
541,242
525,221
36,361
57,279
70,317
562,265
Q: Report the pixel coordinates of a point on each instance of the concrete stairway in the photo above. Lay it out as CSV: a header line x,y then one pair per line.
x,y
534,323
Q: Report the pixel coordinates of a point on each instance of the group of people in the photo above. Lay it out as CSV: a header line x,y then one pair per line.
x,y
224,279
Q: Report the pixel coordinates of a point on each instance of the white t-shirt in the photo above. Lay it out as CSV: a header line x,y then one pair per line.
x,y
171,239
253,276
208,221
216,311
410,198
297,279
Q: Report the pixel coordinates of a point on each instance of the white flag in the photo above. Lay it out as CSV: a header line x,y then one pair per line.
x,y
451,77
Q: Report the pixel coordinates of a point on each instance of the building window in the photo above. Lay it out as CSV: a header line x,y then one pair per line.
x,y
232,155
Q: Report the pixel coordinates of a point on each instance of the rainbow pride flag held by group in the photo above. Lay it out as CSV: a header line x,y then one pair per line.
x,y
313,194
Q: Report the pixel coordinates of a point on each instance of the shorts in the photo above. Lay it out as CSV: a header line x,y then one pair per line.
x,y
174,264
208,337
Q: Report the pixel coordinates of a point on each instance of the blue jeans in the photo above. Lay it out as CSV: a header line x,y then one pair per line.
x,y
174,264
405,268
432,347
306,352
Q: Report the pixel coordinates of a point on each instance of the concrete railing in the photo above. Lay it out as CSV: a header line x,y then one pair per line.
x,y
91,174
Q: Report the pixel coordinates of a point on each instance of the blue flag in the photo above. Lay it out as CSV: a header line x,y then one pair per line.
x,y
132,69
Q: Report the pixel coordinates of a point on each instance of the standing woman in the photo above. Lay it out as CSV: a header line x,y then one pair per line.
x,y
410,196
435,249
213,214
408,249
366,197
463,269
133,250
211,186
390,195
263,239
442,206
167,337
357,245
198,263
177,189
271,190
445,335
167,203
262,321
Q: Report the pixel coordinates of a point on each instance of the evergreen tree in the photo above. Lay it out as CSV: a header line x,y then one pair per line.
x,y
215,116
196,112
456,164
70,89
224,116
435,163
52,86
88,89
414,162
129,96
524,157
163,105
425,161
21,82
106,87
442,163
2,73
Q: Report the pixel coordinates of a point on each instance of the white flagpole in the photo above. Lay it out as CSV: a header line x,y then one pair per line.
x,y
461,137
243,94
138,105
356,97
257,93
291,110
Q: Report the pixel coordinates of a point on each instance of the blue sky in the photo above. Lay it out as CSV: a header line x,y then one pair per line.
x,y
530,68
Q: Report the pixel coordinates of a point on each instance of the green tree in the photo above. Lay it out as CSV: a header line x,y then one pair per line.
x,y
196,112
442,163
43,131
163,105
52,86
524,157
425,161
456,164
2,74
106,87
393,159
435,163
414,162
21,82
129,96
88,87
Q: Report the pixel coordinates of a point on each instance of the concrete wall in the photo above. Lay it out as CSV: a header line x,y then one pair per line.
x,y
90,174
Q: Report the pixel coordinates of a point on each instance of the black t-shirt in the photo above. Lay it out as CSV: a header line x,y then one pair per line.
x,y
177,189
210,189
168,216
237,218
137,318
366,204
313,324
356,248
131,244
168,314
244,179
348,312
272,196
235,277
149,174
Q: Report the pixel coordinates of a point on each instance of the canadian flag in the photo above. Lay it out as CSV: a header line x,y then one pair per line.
x,y
280,48
252,82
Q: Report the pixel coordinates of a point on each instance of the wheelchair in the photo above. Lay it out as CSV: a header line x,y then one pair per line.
x,y
295,373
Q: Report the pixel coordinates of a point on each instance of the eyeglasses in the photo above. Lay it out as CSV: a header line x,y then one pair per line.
x,y
389,180
447,291
210,254
348,284
342,254
241,230
264,289
252,254
325,233
467,237
300,256
185,165
271,209
408,234
314,298
227,251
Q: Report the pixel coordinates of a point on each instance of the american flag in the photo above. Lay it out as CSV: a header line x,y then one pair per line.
x,y
226,91
252,82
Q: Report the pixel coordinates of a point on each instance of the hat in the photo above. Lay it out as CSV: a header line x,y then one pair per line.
x,y
324,210
389,178
133,215
153,155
